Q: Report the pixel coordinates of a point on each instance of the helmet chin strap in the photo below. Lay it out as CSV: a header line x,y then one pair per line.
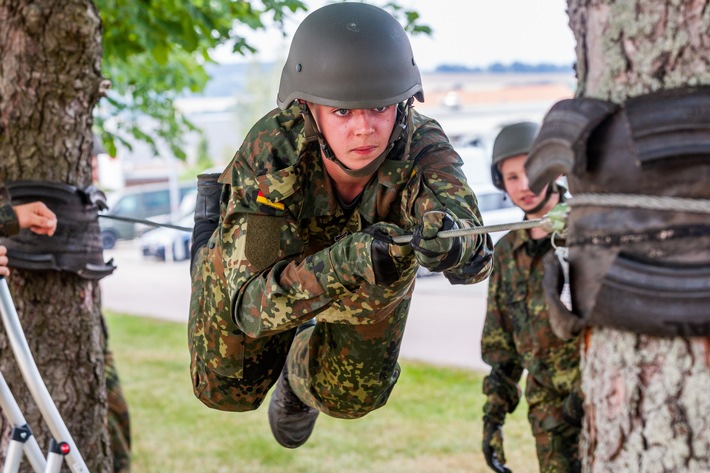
x,y
402,124
551,189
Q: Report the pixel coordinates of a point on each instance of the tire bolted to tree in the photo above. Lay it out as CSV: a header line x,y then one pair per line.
x,y
646,397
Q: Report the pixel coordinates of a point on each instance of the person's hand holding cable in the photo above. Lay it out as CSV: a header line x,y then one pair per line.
x,y
37,217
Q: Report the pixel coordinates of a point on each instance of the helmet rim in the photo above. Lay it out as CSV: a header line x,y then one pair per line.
x,y
350,55
512,140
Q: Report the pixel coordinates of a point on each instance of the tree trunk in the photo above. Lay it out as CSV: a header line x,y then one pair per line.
x,y
50,57
647,399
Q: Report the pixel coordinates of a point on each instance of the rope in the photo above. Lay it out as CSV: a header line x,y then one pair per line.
x,y
649,202
525,224
146,222
501,227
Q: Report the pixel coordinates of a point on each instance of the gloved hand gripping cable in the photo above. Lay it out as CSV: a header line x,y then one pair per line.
x,y
552,222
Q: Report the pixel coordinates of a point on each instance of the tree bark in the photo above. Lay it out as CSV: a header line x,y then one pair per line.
x,y
50,74
647,398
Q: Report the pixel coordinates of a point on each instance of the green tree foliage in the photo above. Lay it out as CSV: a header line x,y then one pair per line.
x,y
155,50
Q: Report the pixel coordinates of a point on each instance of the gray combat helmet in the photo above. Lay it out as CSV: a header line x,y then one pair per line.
x,y
350,55
512,140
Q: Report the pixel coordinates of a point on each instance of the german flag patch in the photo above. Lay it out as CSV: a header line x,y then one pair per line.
x,y
261,198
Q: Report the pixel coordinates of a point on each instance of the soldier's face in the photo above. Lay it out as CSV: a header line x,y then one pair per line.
x,y
358,136
515,180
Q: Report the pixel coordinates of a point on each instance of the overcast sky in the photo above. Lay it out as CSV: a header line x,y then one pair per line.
x,y
468,32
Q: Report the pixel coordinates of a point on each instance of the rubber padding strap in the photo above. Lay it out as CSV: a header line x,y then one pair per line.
x,y
640,297
670,125
75,246
561,144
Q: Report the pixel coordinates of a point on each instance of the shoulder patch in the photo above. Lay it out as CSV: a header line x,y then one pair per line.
x,y
263,243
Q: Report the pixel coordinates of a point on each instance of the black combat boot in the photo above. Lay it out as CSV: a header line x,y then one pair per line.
x,y
290,419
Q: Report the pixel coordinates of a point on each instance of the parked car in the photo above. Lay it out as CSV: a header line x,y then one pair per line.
x,y
169,244
140,202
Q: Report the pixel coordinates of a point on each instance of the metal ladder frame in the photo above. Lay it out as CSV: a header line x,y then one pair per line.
x,y
62,447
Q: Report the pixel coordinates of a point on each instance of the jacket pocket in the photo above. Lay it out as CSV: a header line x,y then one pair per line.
x,y
216,344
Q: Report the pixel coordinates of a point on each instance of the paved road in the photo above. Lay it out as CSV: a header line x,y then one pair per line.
x,y
444,325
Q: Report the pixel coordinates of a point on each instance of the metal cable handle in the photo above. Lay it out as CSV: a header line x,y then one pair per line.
x,y
525,224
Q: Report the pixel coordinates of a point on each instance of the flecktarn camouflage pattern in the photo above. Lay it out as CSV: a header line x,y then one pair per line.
x,y
8,220
517,336
286,252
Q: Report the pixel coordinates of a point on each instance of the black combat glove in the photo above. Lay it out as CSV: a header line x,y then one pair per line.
x,y
384,263
344,263
206,212
493,446
573,410
436,254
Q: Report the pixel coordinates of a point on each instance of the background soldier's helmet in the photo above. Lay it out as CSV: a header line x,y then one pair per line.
x,y
512,140
350,55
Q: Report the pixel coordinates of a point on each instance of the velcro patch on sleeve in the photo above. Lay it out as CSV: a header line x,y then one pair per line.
x,y
263,240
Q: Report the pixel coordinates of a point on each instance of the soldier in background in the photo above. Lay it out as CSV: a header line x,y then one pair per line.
x,y
301,282
119,422
517,334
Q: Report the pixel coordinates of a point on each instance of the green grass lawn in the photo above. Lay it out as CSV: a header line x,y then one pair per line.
x,y
432,422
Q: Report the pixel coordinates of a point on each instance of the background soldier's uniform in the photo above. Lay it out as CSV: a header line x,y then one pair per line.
x,y
119,424
516,336
273,263
8,220
118,420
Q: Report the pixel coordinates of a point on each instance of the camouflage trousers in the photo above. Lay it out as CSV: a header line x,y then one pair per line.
x,y
558,452
556,441
345,366
119,427
347,371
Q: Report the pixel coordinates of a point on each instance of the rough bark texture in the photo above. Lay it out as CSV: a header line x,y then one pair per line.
x,y
647,399
50,56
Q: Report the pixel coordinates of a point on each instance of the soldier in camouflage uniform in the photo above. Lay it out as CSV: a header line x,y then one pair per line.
x,y
118,417
517,335
41,220
301,281
119,424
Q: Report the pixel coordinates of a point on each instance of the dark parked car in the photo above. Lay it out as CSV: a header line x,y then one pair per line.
x,y
168,244
140,202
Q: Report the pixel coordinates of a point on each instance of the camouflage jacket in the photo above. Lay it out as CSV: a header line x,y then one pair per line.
x,y
8,220
517,333
279,207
